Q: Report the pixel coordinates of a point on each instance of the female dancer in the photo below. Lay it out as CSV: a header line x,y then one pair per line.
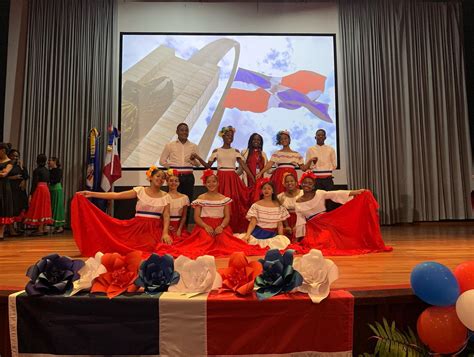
x,y
266,216
211,234
57,194
288,200
230,184
39,212
178,208
285,159
18,176
254,157
348,230
95,231
6,201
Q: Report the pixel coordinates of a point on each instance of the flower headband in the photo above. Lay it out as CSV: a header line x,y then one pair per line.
x,y
262,182
207,173
172,172
307,174
285,175
151,170
225,129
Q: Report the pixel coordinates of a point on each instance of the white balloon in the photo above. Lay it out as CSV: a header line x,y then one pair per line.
x,y
465,308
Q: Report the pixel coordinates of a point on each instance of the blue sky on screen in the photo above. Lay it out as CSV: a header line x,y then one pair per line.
x,y
271,55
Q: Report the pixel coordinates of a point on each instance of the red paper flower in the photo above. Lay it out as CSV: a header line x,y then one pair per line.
x,y
240,275
121,273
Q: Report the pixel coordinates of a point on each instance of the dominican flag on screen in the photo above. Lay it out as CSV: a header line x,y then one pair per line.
x,y
112,169
257,92
172,324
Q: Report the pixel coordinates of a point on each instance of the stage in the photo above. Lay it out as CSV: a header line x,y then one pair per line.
x,y
379,282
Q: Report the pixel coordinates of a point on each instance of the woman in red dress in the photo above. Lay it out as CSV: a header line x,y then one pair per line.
x,y
95,231
256,160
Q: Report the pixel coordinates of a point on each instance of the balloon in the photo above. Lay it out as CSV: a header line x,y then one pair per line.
x,y
434,283
465,309
464,273
440,329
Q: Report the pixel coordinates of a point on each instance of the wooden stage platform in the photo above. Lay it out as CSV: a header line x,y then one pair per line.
x,y
379,282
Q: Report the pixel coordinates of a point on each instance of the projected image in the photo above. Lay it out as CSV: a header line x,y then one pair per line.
x,y
256,83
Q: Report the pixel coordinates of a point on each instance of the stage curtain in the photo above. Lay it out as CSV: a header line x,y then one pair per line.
x,y
405,107
69,82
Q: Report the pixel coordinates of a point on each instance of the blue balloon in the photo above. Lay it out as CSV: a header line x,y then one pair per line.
x,y
435,284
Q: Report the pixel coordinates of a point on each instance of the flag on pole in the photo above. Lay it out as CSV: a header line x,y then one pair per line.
x,y
257,92
93,160
112,169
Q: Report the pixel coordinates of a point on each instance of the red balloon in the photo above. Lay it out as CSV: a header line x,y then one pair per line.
x,y
441,330
464,273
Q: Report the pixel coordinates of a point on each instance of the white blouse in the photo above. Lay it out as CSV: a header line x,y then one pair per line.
x,y
286,157
177,205
289,202
226,158
214,209
307,210
148,206
267,217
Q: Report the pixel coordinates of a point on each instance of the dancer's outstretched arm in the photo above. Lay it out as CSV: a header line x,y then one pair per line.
x,y
125,195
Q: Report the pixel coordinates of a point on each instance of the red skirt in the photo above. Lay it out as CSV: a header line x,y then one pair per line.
x,y
39,211
351,229
277,178
292,222
95,231
173,229
201,243
230,185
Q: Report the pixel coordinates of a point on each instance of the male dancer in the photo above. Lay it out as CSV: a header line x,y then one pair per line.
x,y
321,159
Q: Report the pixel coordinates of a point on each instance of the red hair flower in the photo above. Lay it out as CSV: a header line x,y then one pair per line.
x,y
306,174
205,174
120,276
172,172
240,275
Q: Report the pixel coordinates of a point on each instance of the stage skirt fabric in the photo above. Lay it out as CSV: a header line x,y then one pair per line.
x,y
292,222
174,225
266,238
95,231
230,185
201,243
277,178
57,204
39,211
351,229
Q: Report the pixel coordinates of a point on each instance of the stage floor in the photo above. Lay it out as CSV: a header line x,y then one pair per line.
x,y
449,243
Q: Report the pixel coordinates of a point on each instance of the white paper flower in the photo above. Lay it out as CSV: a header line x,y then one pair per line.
x,y
318,274
88,273
196,276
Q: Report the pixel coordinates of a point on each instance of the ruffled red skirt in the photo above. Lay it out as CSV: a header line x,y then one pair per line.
x,y
201,243
95,231
39,211
174,225
277,178
230,185
351,229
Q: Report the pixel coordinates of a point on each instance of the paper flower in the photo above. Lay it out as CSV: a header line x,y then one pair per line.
x,y
52,275
157,273
120,275
240,275
278,275
91,270
196,276
318,274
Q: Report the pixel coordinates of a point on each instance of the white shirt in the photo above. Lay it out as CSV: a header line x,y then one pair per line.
x,y
267,217
289,202
150,207
176,206
177,154
213,209
226,157
326,157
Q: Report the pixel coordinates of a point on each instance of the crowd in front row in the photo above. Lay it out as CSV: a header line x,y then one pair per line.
x,y
44,205
278,212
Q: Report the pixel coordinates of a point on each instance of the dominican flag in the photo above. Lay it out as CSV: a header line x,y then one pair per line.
x,y
257,92
112,169
173,324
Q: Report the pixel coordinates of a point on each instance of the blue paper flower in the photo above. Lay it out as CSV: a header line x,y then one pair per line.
x,y
278,275
157,273
52,275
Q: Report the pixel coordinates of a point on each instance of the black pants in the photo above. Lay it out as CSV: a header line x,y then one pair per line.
x,y
186,187
327,184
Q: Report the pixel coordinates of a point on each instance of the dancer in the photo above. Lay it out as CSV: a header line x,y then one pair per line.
x,y
230,184
212,234
285,159
95,231
288,199
6,200
178,208
18,176
266,216
57,194
351,229
254,157
321,159
39,212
